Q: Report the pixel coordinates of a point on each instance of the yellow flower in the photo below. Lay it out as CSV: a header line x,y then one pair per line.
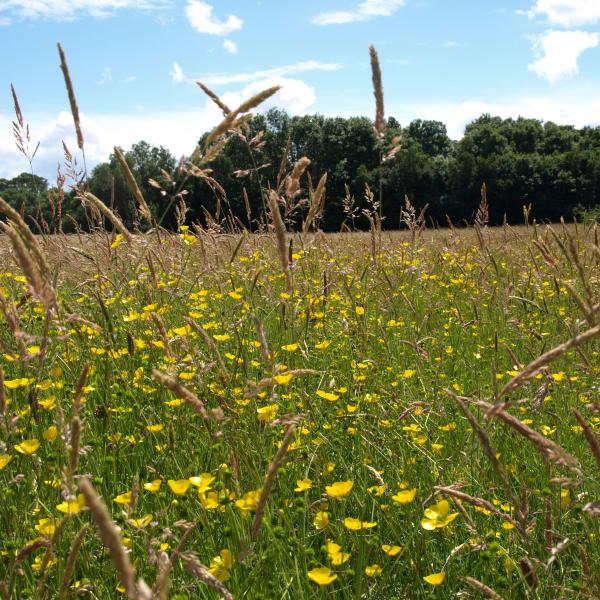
x,y
28,447
322,576
435,578
558,376
405,496
436,516
221,565
373,570
565,499
391,550
221,337
13,384
339,489
141,522
323,345
248,501
46,526
360,310
71,507
321,520
376,490
290,347
336,557
50,433
202,482
155,428
153,486
327,396
303,485
123,498
408,373
268,412
356,524
179,487
283,378
4,460
117,241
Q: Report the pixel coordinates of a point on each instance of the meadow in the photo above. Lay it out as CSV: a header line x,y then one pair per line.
x,y
376,421
210,412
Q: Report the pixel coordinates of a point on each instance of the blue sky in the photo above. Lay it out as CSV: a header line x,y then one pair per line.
x,y
134,63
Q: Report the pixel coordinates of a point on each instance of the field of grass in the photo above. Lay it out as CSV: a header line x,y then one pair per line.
x,y
364,427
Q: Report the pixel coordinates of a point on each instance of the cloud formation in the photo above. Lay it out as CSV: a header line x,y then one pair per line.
x,y
177,75
201,18
179,131
364,11
557,53
299,67
68,10
567,13
230,46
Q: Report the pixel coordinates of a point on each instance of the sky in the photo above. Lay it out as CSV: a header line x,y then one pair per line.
x,y
134,64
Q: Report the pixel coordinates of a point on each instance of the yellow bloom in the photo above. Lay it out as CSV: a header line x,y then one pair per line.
x,y
46,526
408,373
153,486
323,345
391,550
4,460
50,433
303,485
321,520
436,516
155,428
283,378
290,347
123,498
356,524
268,412
435,578
13,384
248,501
339,489
202,482
360,310
322,576
373,570
179,487
220,566
72,507
28,447
327,396
117,241
336,557
141,522
405,496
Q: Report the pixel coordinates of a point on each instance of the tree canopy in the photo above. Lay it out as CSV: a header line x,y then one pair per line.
x,y
555,168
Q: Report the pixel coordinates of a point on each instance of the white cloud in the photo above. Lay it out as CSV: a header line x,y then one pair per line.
x,y
177,131
230,46
106,76
201,18
567,13
362,12
575,110
300,67
557,53
71,9
176,74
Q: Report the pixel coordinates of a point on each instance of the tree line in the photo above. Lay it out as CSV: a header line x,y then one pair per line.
x,y
554,168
